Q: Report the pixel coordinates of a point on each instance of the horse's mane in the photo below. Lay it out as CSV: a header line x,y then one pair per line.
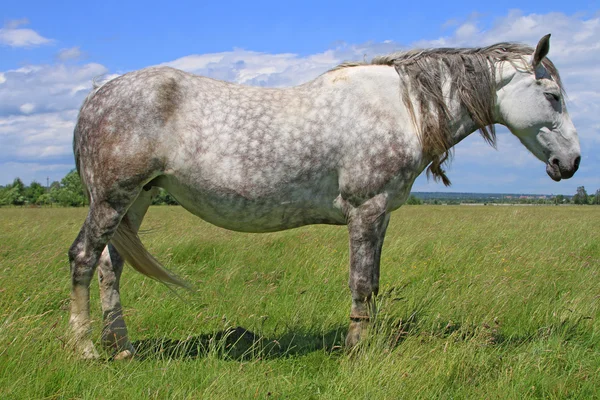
x,y
472,77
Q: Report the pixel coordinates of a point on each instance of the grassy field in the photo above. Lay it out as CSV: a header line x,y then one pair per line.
x,y
476,302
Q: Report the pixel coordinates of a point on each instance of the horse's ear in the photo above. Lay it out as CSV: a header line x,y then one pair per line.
x,y
541,51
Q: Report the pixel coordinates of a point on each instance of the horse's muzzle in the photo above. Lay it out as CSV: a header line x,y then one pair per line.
x,y
558,170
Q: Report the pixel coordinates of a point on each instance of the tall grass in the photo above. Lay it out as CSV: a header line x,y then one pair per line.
x,y
475,302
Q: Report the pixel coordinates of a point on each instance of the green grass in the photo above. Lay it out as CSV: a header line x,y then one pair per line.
x,y
475,302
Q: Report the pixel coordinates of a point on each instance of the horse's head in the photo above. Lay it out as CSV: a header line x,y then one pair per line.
x,y
531,105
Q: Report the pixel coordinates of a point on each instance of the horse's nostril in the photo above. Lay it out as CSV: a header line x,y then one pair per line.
x,y
576,164
556,162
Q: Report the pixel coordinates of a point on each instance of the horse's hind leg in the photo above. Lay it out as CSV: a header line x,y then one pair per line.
x,y
114,333
101,222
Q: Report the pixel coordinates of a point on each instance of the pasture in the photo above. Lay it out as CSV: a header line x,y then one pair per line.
x,y
475,302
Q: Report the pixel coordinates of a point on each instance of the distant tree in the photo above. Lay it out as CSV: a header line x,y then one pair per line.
x,y
33,192
413,201
559,199
581,197
44,200
164,197
3,195
14,194
596,198
10,196
70,192
19,185
54,191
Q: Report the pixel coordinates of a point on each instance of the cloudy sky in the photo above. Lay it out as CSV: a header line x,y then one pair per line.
x,y
51,51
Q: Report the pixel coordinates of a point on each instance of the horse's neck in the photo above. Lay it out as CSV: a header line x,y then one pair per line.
x,y
461,123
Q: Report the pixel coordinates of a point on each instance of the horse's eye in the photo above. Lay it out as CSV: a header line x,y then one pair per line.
x,y
552,96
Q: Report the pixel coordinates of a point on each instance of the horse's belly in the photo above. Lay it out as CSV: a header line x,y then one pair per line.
x,y
284,209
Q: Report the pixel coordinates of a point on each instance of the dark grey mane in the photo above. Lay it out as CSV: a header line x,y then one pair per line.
x,y
472,77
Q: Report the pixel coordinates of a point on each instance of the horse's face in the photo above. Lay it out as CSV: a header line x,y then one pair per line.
x,y
532,107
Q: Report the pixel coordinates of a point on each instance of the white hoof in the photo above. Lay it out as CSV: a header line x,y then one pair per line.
x,y
125,355
87,351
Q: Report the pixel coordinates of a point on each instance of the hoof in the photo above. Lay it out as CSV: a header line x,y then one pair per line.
x,y
125,351
356,331
86,351
124,355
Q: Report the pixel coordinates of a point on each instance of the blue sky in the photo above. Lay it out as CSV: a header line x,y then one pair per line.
x,y
50,52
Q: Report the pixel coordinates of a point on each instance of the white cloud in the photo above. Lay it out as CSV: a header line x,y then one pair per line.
x,y
249,67
38,110
275,70
27,138
13,36
27,108
72,53
50,87
466,30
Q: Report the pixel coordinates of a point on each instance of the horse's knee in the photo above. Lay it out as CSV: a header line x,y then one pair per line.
x,y
82,263
76,250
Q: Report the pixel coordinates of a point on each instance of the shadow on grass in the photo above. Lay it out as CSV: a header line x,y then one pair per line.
x,y
483,334
240,344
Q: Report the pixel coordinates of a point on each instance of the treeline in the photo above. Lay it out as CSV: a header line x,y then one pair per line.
x,y
68,192
581,197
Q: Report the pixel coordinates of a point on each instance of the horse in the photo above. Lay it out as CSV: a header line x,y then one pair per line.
x,y
342,149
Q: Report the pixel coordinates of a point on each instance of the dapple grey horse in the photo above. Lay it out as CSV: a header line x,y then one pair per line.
x,y
342,149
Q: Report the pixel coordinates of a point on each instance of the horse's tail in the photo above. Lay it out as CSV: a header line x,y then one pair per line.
x,y
129,246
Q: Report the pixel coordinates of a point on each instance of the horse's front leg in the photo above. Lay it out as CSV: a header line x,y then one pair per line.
x,y
367,224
